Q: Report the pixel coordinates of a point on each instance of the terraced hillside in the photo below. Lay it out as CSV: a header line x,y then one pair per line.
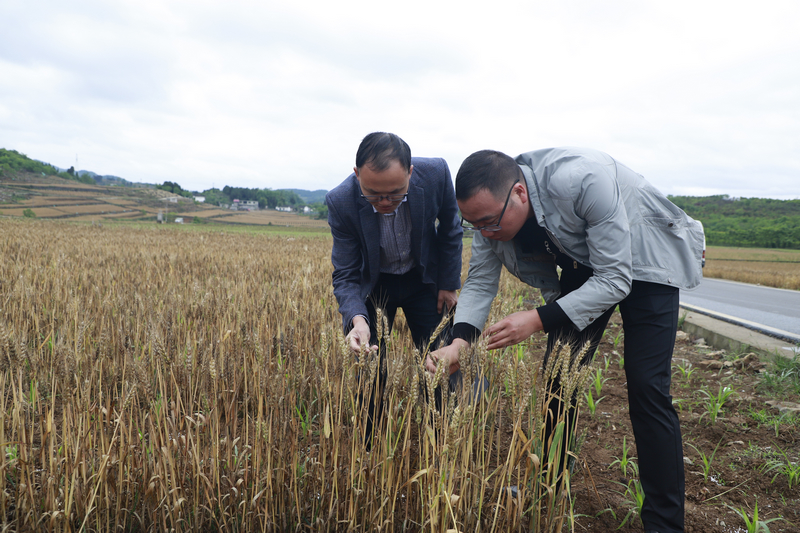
x,y
52,197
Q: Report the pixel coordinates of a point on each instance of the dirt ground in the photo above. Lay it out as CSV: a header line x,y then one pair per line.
x,y
744,444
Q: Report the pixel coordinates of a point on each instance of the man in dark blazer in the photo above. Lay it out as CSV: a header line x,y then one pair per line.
x,y
388,249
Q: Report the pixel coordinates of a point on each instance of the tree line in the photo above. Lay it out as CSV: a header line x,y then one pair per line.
x,y
174,188
746,222
265,197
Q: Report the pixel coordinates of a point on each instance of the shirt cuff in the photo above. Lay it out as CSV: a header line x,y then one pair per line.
x,y
466,331
362,316
553,317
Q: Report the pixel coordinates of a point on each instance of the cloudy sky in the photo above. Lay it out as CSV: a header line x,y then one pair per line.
x,y
700,97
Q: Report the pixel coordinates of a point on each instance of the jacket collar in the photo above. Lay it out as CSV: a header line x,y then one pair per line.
x,y
533,193
370,231
416,205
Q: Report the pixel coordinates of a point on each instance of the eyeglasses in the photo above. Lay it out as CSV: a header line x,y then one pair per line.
x,y
491,227
378,198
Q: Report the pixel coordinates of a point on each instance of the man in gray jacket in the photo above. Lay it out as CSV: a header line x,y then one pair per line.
x,y
617,240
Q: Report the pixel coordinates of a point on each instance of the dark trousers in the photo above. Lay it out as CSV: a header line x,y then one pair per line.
x,y
418,302
650,322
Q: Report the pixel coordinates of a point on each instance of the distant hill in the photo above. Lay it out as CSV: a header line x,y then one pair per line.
x,y
43,194
43,190
310,197
12,162
756,222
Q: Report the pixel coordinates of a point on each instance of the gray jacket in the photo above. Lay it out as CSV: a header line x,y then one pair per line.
x,y
603,215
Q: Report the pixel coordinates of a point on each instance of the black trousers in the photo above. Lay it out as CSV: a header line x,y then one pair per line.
x,y
650,322
418,302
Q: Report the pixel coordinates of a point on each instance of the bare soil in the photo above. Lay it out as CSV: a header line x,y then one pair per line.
x,y
735,478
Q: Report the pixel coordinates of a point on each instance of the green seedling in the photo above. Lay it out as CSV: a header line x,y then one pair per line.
x,y
761,416
678,402
783,466
33,387
765,418
714,402
626,462
707,459
634,499
619,337
598,382
12,453
686,370
241,457
306,420
591,403
785,418
753,525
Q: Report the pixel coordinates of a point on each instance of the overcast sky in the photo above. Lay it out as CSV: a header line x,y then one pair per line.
x,y
699,97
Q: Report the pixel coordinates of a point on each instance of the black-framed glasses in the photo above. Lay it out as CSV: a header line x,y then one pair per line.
x,y
378,198
491,227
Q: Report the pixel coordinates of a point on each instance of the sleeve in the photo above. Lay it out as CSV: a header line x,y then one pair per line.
x,y
480,287
599,203
347,258
465,331
449,236
552,317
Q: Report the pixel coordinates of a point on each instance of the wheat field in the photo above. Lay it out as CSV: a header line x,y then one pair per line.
x,y
195,380
761,266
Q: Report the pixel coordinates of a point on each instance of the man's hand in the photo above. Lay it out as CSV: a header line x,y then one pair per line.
x,y
448,354
513,329
447,298
359,335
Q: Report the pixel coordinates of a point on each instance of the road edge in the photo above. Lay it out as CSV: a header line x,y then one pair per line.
x,y
725,332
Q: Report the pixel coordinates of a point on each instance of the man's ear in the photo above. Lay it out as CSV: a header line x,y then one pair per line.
x,y
355,170
521,191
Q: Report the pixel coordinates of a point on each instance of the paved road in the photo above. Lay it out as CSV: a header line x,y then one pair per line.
x,y
775,308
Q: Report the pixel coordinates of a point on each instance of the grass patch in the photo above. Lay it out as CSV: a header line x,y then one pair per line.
x,y
782,377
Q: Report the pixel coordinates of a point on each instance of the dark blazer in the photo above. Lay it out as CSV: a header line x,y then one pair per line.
x,y
356,236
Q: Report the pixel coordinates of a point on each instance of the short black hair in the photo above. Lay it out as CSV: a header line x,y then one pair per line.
x,y
486,169
379,149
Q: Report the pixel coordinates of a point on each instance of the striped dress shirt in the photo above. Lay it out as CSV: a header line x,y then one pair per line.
x,y
396,240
